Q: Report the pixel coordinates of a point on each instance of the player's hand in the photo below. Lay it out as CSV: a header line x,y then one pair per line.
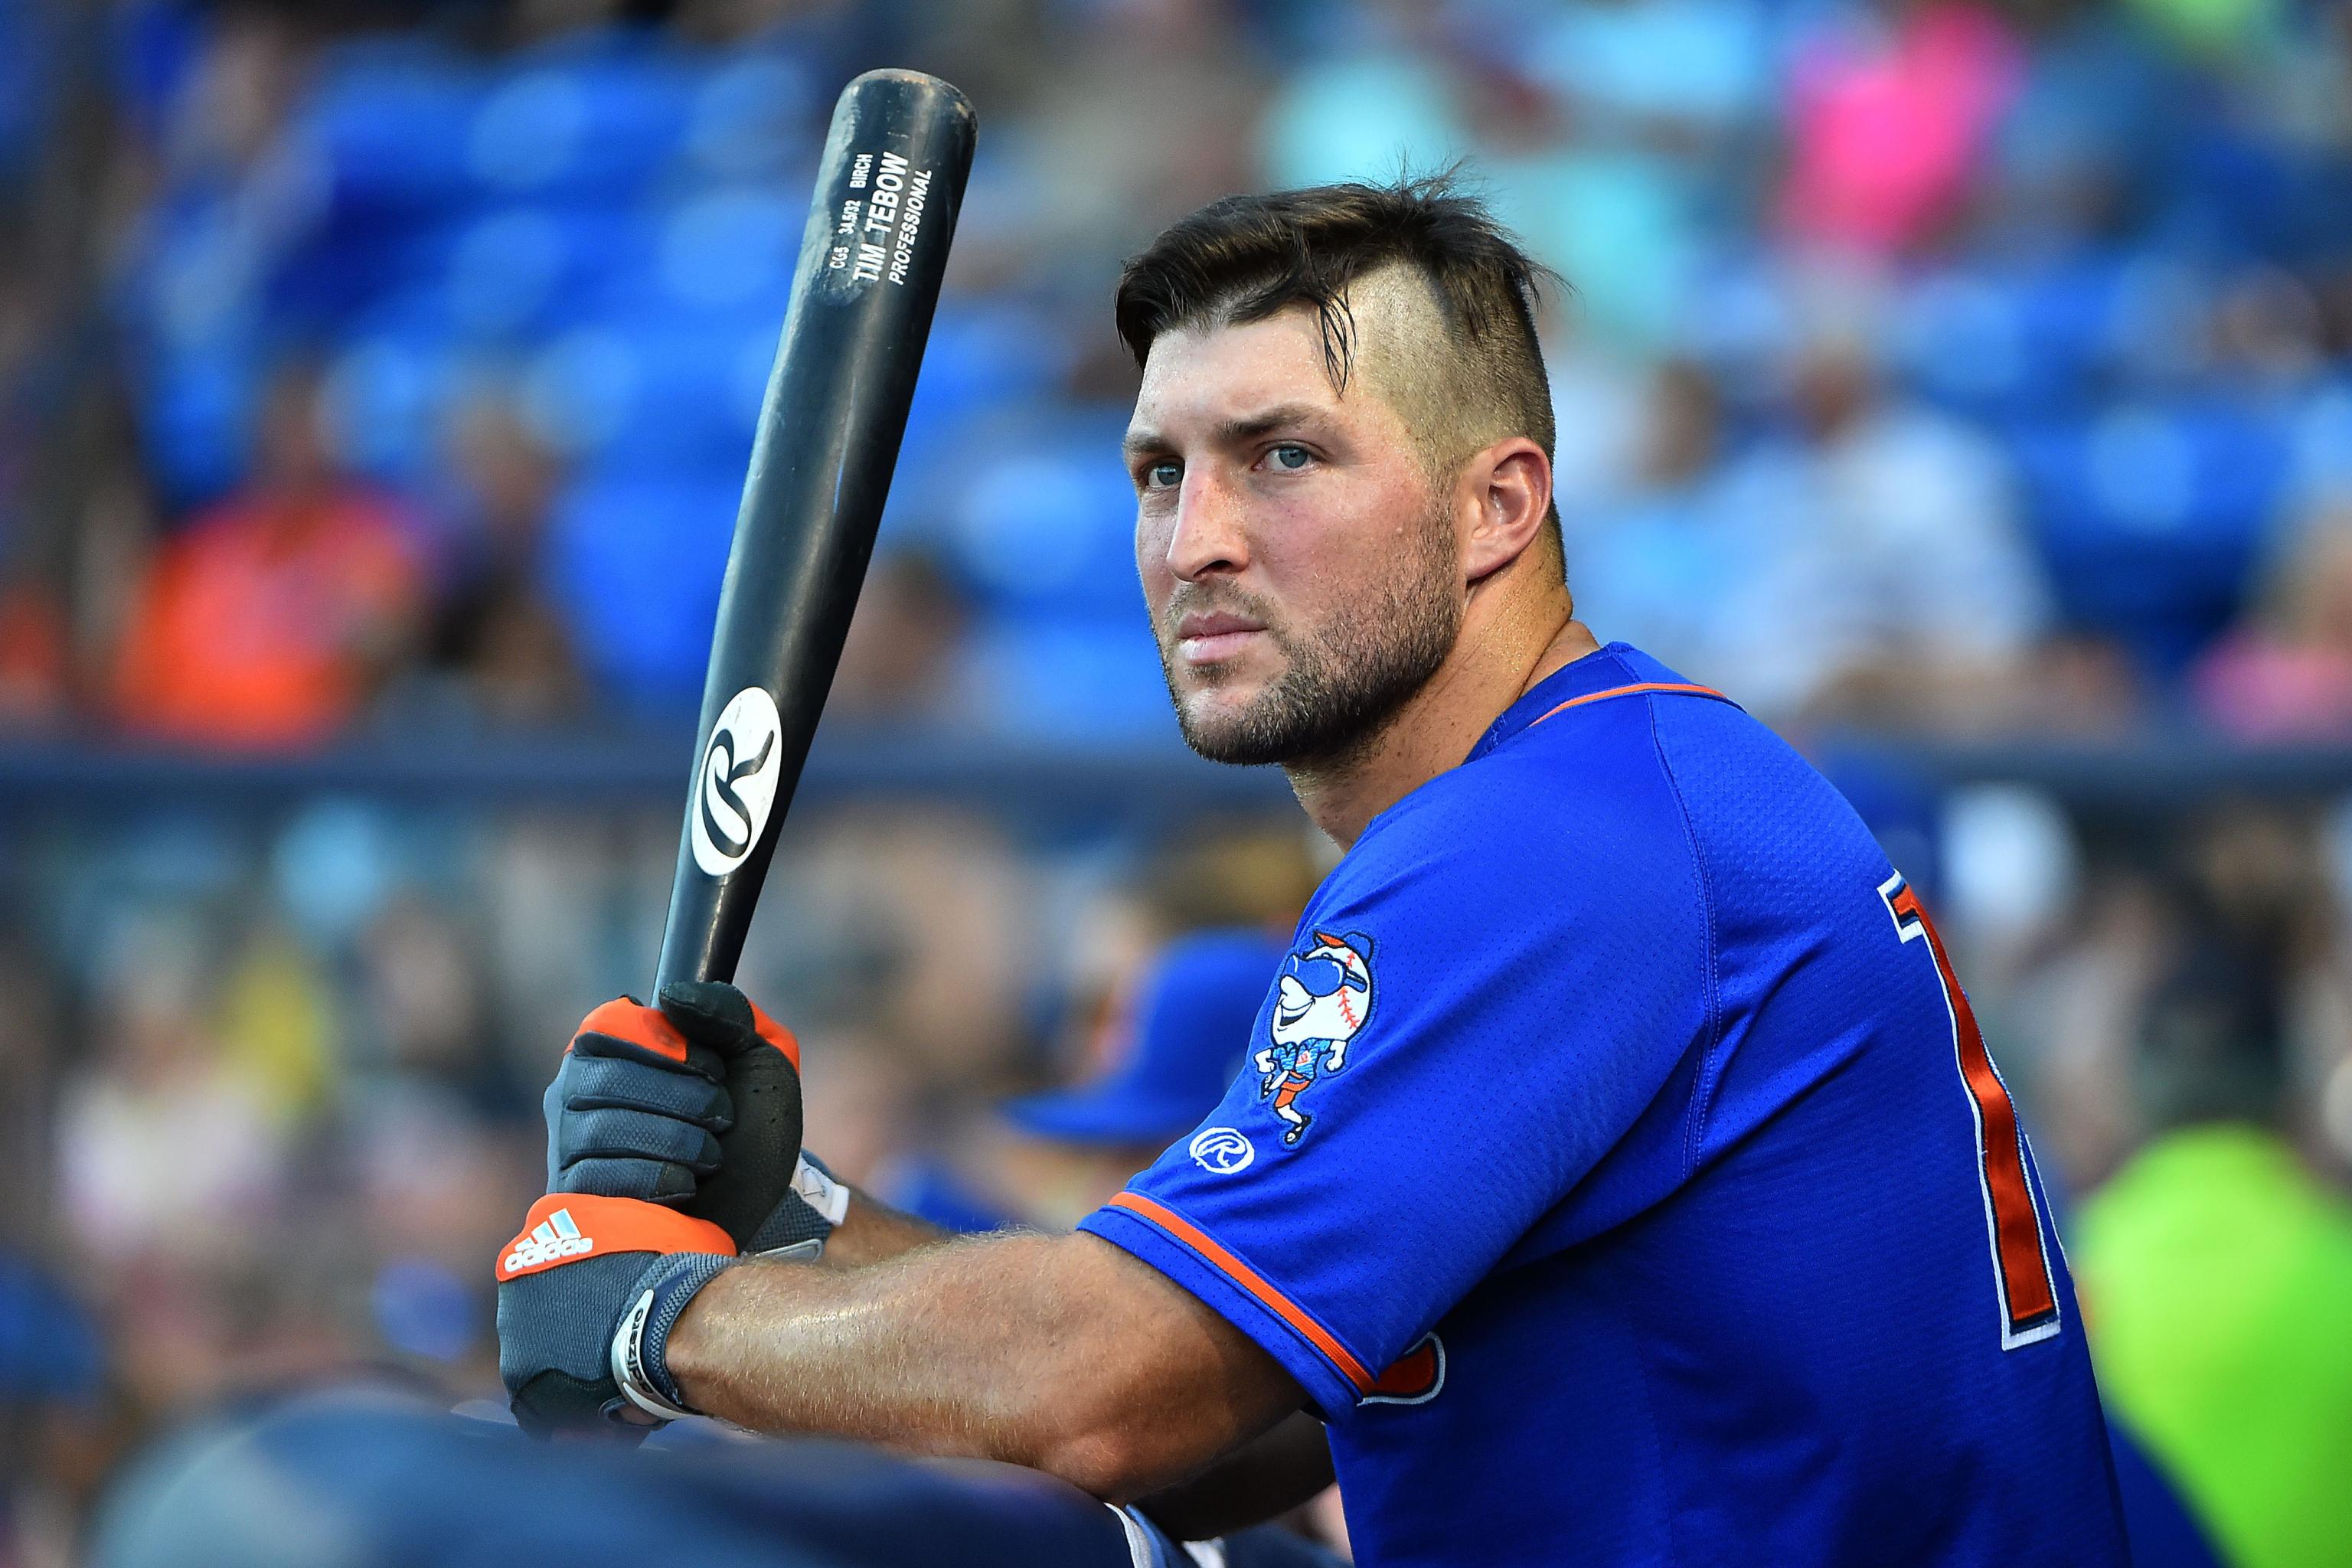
x,y
695,1103
635,1108
587,1294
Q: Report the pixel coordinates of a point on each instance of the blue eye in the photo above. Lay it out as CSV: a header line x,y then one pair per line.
x,y
1289,458
1163,476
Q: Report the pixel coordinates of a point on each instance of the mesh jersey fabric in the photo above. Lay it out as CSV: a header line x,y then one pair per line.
x,y
1644,1214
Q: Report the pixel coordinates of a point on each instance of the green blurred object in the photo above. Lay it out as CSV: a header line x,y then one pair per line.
x,y
2216,1276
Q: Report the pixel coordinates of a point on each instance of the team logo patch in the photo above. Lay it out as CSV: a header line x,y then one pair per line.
x,y
1322,1001
1222,1151
737,783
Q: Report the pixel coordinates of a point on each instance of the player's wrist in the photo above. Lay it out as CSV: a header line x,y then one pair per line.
x,y
691,1350
639,1357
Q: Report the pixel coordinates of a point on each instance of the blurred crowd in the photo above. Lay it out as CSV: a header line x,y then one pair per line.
x,y
2003,349
388,367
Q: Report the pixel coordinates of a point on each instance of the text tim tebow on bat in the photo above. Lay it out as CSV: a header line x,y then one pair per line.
x,y
871,260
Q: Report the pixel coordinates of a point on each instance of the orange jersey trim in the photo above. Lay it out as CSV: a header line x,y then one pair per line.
x,y
1249,1279
1646,687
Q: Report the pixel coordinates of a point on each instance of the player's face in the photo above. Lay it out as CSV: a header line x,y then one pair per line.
x,y
1303,575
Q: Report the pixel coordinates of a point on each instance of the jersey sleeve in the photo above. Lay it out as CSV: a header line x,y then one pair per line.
x,y
1506,1006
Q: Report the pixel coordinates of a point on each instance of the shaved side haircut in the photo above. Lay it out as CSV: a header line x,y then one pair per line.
x,y
1451,292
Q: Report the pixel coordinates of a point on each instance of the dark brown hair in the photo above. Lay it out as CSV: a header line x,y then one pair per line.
x,y
1244,258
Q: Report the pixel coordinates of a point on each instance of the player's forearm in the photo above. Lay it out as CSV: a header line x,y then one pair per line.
x,y
1263,1478
872,1232
1039,1351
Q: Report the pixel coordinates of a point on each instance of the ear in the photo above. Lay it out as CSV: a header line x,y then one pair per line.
x,y
1510,486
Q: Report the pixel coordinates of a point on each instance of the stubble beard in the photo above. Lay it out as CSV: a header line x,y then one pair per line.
x,y
1342,682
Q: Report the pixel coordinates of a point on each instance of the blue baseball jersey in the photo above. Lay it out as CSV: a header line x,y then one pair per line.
x,y
1653,1199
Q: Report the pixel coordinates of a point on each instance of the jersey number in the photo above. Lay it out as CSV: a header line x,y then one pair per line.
x,y
2020,1259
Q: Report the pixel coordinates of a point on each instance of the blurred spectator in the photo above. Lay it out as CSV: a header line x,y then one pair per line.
x,y
273,616
494,633
925,942
32,654
1162,1059
163,1146
1897,584
1671,565
1870,566
52,1415
2287,673
2217,1274
898,662
1890,109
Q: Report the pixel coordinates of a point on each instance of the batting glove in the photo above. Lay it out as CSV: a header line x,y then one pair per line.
x,y
696,1103
587,1295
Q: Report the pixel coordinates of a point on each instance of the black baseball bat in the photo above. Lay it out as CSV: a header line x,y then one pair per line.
x,y
871,260
868,278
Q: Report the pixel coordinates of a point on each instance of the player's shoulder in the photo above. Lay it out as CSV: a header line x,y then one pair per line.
x,y
1577,759
1569,796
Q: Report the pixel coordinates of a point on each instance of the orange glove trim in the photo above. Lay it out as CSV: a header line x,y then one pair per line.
x,y
625,1020
776,1035
563,1226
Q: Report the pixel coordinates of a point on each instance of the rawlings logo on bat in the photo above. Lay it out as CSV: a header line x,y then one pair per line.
x,y
736,780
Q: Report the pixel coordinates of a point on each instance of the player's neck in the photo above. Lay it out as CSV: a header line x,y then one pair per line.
x,y
1502,651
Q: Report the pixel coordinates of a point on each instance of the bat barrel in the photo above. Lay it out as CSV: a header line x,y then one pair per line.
x,y
871,260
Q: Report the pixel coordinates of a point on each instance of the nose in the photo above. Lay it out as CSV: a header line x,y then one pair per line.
x,y
1208,536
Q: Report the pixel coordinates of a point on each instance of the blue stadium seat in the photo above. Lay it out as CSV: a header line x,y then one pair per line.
x,y
195,412
731,250
2153,517
600,112
518,270
634,563
2009,342
390,390
1044,520
758,116
1082,680
649,393
387,123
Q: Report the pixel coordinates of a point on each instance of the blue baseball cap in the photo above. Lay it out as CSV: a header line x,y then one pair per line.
x,y
1192,1019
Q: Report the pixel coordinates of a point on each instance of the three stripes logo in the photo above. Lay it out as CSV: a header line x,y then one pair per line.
x,y
552,1240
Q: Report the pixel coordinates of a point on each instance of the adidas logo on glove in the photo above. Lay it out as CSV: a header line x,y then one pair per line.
x,y
554,1236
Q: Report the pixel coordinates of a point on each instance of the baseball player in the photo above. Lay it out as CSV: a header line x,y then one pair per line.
x,y
1618,1175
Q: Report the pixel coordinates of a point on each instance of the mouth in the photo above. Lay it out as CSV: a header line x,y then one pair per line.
x,y
1209,639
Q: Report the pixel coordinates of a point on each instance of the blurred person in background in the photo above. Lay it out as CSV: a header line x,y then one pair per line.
x,y
1892,537
1669,562
2285,674
895,664
1886,528
57,1430
1161,1060
1148,966
494,634
272,617
2216,1271
54,1414
1890,112
166,1146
